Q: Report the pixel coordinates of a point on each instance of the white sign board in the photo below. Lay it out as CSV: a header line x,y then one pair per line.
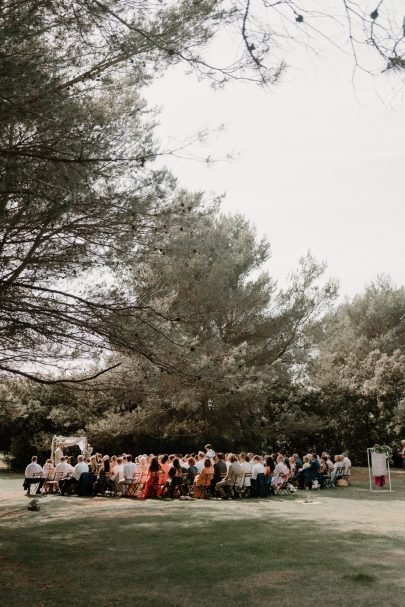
x,y
378,466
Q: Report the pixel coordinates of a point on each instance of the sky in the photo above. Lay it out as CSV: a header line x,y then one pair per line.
x,y
318,161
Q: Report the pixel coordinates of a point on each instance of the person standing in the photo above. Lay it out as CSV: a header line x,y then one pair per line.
x,y
209,451
58,454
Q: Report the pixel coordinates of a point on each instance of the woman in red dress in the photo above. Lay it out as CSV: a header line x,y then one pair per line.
x,y
153,485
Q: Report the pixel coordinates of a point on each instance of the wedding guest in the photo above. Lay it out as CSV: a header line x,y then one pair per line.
x,y
258,479
232,477
203,480
30,476
152,487
176,477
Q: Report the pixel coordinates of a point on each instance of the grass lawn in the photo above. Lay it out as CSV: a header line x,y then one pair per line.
x,y
286,552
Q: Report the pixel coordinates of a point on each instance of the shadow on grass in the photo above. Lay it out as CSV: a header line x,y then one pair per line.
x,y
193,557
360,577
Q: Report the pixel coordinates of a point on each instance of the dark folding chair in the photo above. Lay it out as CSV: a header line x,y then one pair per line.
x,y
33,485
282,489
85,484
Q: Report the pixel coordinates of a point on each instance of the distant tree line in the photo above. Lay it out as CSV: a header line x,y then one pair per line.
x,y
267,369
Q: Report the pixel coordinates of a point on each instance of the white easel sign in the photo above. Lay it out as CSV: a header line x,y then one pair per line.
x,y
378,469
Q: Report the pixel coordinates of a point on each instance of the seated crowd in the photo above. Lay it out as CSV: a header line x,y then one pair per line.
x,y
202,475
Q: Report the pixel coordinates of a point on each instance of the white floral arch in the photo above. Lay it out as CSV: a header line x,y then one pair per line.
x,y
69,441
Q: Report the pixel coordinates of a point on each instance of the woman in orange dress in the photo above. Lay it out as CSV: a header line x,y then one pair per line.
x,y
203,480
165,466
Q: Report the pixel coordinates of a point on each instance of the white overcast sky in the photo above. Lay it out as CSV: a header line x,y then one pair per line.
x,y
320,162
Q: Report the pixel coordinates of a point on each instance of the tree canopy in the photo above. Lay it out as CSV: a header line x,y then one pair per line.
x,y
107,265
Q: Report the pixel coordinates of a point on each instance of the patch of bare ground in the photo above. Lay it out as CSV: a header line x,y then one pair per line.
x,y
378,513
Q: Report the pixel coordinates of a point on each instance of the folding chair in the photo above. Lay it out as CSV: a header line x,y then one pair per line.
x,y
204,490
142,483
237,488
328,482
332,480
85,485
246,485
183,487
51,484
104,485
175,488
34,483
133,485
187,486
282,489
213,491
244,490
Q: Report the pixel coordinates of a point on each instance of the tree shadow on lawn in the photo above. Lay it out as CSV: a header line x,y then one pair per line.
x,y
195,557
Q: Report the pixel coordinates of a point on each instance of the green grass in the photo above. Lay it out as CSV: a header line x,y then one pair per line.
x,y
107,553
359,488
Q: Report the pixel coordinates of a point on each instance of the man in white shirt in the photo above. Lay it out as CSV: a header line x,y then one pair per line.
x,y
117,469
258,467
200,463
32,472
209,451
246,468
347,464
69,465
130,468
258,480
64,467
80,467
184,462
118,475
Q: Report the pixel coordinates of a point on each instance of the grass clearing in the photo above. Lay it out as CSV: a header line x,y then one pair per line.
x,y
108,552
